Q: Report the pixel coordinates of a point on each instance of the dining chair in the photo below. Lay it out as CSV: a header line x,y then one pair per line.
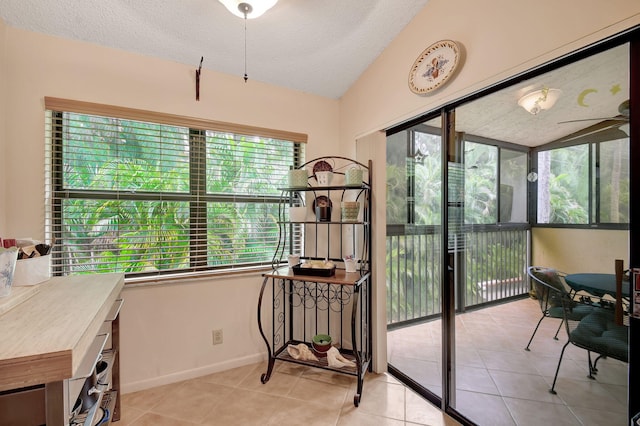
x,y
550,305
595,332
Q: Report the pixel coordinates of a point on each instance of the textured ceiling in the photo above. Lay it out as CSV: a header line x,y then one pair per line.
x,y
592,90
320,47
314,46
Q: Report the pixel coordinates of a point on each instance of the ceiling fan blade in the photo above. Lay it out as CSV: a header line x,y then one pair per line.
x,y
620,118
599,132
606,135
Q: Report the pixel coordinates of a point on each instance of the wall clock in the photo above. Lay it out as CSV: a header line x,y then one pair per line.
x,y
433,68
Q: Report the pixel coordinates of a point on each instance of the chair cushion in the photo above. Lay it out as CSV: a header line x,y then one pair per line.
x,y
598,332
576,312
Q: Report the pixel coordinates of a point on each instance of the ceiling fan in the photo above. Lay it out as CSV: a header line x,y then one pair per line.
x,y
607,129
623,116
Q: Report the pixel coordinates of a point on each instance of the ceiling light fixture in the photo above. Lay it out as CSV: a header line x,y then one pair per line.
x,y
248,9
539,100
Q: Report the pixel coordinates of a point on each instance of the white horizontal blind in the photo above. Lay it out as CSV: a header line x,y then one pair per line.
x,y
146,198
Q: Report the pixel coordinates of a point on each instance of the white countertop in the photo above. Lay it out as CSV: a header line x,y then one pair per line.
x,y
44,338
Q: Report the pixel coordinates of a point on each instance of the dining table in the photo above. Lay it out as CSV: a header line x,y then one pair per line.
x,y
597,284
600,285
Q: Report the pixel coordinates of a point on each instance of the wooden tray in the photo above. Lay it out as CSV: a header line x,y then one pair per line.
x,y
313,272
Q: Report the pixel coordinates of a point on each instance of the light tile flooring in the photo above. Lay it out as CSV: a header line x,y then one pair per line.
x,y
294,395
499,383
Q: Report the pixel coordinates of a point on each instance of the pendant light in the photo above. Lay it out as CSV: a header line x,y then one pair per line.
x,y
248,9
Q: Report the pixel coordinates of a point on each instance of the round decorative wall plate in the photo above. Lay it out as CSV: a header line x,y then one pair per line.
x,y
433,68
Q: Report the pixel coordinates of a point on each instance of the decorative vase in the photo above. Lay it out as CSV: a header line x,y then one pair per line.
x,y
298,178
8,259
353,177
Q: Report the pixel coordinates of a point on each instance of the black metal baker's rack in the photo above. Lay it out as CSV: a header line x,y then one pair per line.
x,y
303,304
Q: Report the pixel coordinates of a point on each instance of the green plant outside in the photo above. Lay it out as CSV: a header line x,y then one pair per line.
x,y
107,234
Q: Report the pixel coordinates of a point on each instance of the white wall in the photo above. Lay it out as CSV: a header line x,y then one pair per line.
x,y
373,147
500,38
166,329
39,66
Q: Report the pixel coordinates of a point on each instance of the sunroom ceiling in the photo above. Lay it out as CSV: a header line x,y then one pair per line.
x,y
592,88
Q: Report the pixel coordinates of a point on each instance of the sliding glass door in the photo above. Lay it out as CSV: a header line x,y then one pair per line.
x,y
413,255
475,194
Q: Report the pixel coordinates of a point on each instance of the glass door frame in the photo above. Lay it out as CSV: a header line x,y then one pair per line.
x,y
448,140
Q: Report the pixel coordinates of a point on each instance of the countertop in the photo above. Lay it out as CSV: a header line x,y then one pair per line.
x,y
45,338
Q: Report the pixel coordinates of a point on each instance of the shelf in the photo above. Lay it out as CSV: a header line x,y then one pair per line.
x,y
115,310
87,418
319,222
108,405
283,355
341,277
300,301
87,366
326,188
100,414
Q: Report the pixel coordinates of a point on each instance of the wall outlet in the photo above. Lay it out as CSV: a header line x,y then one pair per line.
x,y
217,337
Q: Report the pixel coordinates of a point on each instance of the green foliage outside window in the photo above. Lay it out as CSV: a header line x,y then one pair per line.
x,y
134,197
413,251
567,186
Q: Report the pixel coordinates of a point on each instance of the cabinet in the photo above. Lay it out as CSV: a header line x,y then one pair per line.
x,y
93,393
52,343
304,302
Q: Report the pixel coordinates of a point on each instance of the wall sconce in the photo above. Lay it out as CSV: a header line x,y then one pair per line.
x,y
248,8
534,102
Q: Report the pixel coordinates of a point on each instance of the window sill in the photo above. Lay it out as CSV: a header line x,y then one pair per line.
x,y
194,276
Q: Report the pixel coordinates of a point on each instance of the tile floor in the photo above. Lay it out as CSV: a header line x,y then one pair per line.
x,y
295,395
499,383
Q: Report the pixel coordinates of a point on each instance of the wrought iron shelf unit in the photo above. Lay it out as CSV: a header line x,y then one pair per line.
x,y
301,306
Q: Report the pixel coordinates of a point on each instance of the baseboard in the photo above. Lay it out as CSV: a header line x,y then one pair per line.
x,y
191,374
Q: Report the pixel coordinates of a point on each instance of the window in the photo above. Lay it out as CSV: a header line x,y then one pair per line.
x,y
513,186
611,182
414,177
585,184
480,183
154,196
495,184
563,185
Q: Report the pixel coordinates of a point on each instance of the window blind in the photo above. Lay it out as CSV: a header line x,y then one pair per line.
x,y
151,198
